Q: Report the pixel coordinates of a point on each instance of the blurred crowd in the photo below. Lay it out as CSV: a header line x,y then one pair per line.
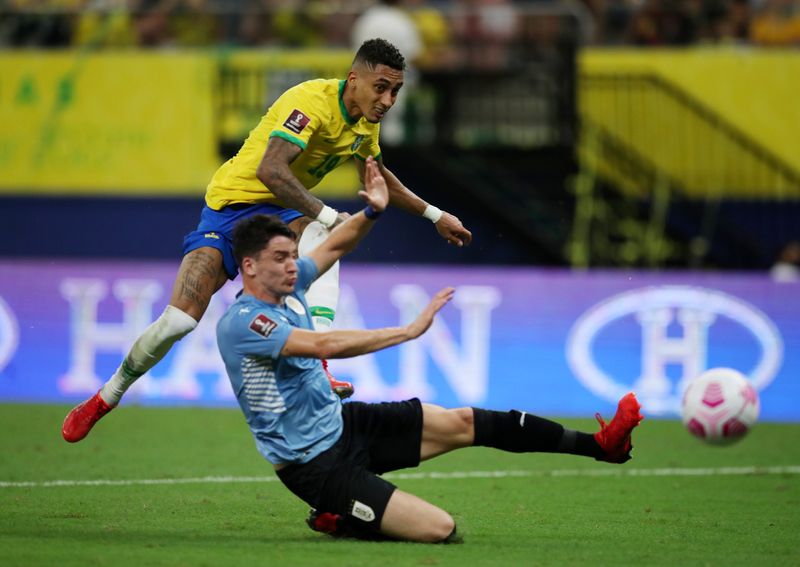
x,y
685,22
444,27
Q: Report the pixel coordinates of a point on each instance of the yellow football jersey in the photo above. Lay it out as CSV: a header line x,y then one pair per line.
x,y
311,115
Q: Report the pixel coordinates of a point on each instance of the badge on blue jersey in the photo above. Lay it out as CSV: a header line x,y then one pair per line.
x,y
262,325
295,305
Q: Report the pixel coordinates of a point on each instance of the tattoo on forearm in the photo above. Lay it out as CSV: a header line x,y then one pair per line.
x,y
293,195
283,183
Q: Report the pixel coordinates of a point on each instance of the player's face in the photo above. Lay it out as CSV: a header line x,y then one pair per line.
x,y
374,91
276,268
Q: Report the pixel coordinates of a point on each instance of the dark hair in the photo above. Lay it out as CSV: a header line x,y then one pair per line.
x,y
252,234
378,51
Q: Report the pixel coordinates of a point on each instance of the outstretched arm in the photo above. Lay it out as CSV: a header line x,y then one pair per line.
x,y
274,172
347,235
448,226
344,344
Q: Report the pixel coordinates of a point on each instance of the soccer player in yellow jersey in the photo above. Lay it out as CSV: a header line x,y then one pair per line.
x,y
311,129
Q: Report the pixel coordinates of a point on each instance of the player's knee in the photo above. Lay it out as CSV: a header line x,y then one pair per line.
x,y
467,417
464,424
441,528
175,324
435,528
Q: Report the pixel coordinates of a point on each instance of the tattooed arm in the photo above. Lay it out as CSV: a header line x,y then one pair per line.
x,y
274,172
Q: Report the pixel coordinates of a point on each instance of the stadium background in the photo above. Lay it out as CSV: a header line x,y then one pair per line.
x,y
630,172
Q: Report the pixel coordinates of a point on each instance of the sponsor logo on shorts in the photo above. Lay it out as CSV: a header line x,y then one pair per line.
x,y
296,122
362,511
262,325
211,235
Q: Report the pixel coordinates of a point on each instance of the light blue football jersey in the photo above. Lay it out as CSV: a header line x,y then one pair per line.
x,y
287,401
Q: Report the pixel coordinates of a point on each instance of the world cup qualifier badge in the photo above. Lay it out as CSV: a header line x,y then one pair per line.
x,y
262,325
297,121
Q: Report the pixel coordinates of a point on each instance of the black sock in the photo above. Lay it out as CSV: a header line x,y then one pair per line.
x,y
520,432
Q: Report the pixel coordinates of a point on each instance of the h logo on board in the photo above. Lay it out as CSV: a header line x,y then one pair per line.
x,y
674,331
91,337
687,350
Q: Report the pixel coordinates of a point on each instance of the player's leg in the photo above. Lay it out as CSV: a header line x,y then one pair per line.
x,y
445,430
323,295
520,432
363,505
405,517
411,518
200,275
351,498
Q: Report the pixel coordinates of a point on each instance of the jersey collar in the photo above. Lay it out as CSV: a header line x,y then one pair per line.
x,y
347,118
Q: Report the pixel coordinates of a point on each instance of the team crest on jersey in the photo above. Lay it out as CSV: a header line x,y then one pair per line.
x,y
357,143
297,121
262,325
295,305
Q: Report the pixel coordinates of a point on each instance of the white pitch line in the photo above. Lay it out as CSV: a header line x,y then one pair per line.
x,y
138,481
612,472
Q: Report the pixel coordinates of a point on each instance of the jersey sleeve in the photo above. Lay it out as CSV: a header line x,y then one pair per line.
x,y
261,333
297,115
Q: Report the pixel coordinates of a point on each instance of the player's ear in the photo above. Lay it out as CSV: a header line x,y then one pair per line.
x,y
248,266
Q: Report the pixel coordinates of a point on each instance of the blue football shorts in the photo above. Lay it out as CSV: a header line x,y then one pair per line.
x,y
216,229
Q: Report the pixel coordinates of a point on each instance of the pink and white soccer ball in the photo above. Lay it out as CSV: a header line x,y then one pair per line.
x,y
720,406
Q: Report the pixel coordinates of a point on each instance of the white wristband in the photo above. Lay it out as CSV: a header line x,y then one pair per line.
x,y
432,213
327,216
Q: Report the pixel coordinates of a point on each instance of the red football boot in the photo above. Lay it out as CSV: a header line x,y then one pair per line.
x,y
615,438
325,522
81,419
342,389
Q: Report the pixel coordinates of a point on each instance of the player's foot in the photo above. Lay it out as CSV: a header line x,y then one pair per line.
x,y
615,438
342,389
81,419
325,522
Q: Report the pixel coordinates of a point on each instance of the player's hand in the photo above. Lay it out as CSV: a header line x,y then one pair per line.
x,y
375,192
451,229
424,320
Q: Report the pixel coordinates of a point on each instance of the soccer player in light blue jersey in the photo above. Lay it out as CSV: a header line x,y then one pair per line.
x,y
331,454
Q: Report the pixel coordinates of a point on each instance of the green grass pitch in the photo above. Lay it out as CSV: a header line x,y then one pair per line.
x,y
678,502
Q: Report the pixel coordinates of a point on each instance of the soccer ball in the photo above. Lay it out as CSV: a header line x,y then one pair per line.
x,y
719,406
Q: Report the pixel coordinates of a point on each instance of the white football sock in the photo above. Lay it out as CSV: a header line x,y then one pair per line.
x,y
149,348
323,295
